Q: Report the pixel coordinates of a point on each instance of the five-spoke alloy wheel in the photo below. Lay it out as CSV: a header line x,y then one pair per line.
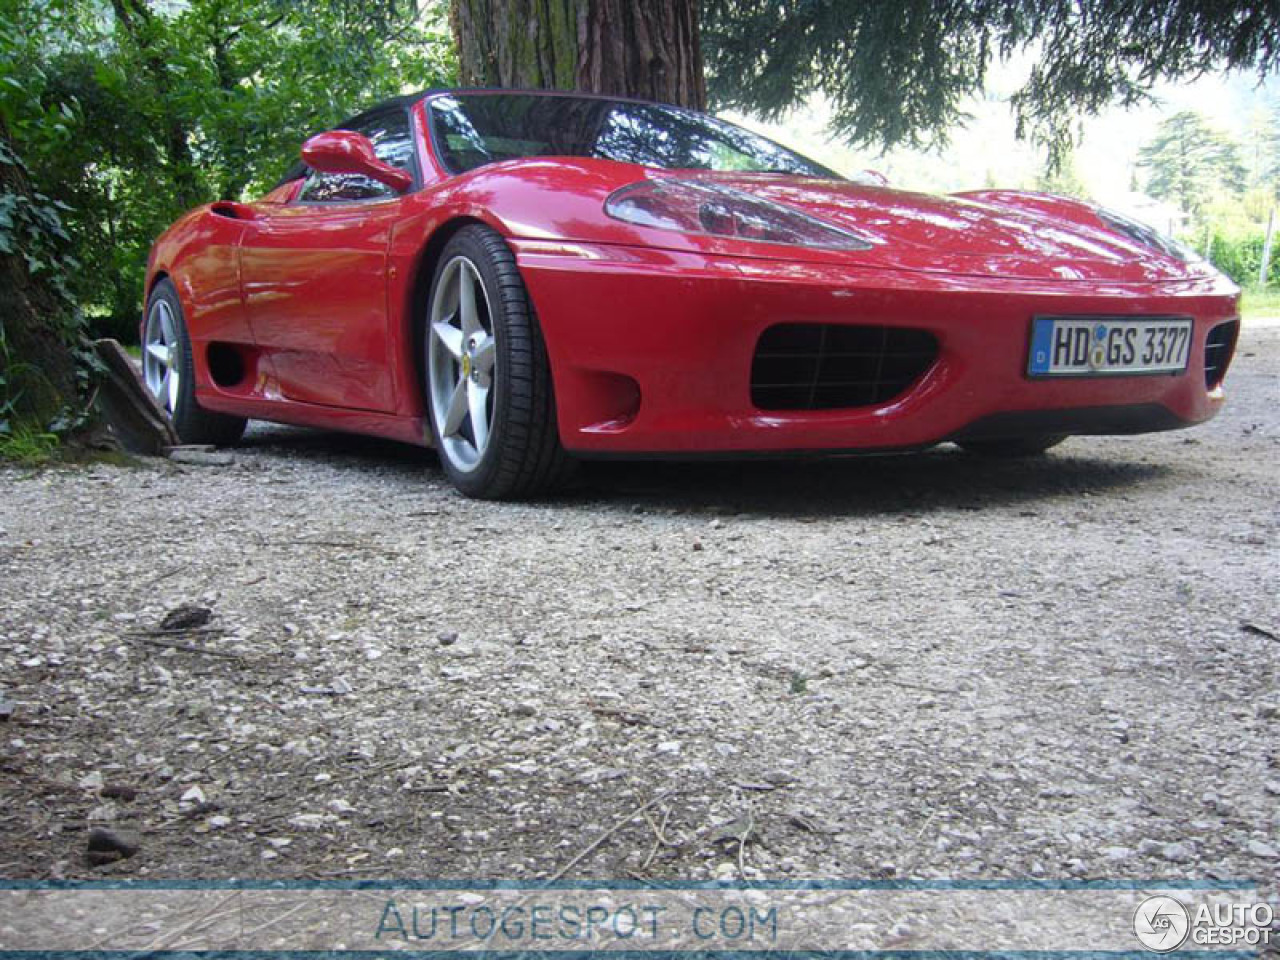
x,y
463,359
162,355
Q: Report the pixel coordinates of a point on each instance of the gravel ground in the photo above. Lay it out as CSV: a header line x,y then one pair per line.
x,y
923,666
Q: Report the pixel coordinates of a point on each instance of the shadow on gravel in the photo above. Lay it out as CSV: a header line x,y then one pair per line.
x,y
940,479
339,448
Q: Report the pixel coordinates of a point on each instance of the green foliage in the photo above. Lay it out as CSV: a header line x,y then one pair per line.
x,y
1063,180
27,444
136,110
897,71
1188,162
1240,257
33,243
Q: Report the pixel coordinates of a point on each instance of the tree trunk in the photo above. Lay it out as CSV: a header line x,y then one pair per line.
x,y
37,370
650,50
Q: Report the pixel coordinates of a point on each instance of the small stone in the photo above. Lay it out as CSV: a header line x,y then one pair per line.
x,y
1176,852
308,821
1272,787
119,791
526,709
6,709
269,854
669,746
92,781
108,846
218,822
697,546
187,616
1116,853
1259,849
193,795
201,458
279,842
448,638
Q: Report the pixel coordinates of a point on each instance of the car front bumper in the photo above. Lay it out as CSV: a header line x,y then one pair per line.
x,y
652,352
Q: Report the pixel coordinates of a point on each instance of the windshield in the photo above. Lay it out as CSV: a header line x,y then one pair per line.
x,y
471,130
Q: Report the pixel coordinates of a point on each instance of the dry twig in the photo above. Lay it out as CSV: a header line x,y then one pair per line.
x,y
590,848
184,647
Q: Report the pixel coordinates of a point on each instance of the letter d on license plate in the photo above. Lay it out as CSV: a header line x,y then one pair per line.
x,y
1104,346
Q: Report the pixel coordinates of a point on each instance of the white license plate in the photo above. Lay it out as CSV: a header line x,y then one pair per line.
x,y
1102,346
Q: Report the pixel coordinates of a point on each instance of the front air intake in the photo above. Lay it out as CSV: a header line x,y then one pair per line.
x,y
824,366
1219,348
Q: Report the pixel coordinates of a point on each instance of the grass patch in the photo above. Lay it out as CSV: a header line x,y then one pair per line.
x,y
1260,303
27,445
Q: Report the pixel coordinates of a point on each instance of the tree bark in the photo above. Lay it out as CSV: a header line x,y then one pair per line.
x,y
650,49
36,364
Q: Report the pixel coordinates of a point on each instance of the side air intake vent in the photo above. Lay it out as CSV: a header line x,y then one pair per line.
x,y
1219,348
823,366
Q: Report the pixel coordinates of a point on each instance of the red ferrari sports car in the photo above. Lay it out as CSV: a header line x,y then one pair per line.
x,y
521,279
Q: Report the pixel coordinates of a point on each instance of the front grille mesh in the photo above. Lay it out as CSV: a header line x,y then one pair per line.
x,y
1218,350
822,366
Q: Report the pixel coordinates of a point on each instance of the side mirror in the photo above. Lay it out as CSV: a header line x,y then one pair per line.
x,y
344,151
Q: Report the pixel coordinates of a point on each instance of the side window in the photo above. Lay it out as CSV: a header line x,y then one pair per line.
x,y
392,139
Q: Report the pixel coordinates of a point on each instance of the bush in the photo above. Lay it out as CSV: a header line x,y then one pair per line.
x,y
1240,257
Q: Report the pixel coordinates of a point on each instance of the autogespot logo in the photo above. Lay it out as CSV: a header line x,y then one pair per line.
x,y
1161,924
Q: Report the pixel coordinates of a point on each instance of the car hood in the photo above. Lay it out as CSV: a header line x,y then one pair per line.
x,y
961,235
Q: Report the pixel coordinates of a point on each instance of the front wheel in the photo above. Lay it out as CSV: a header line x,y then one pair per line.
x,y
489,390
1011,446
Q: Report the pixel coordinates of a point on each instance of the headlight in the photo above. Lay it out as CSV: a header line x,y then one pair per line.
x,y
690,206
1147,236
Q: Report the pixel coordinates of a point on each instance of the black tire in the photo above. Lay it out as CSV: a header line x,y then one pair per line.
x,y
522,456
1011,447
191,423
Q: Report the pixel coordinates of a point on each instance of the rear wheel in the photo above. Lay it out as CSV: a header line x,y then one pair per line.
x,y
1011,446
169,372
489,390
